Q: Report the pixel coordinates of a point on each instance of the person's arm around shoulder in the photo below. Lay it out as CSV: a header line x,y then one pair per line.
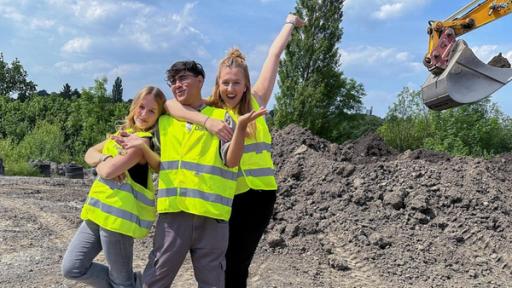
x,y
236,146
189,114
262,89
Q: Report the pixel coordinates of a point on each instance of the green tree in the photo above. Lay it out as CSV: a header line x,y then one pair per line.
x,y
407,123
13,80
66,91
117,90
478,129
313,90
43,93
100,87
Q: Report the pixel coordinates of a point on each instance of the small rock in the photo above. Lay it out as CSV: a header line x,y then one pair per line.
x,y
379,240
302,148
276,241
338,263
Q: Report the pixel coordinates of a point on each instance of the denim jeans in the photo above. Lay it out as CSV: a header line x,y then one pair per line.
x,y
87,243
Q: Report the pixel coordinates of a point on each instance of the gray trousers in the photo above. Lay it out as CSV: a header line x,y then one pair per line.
x,y
178,233
87,243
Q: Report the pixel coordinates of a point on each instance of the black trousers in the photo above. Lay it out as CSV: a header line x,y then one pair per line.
x,y
250,215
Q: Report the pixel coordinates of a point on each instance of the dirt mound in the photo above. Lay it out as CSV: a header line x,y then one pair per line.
x,y
499,61
378,218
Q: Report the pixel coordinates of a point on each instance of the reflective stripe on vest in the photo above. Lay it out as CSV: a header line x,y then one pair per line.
x,y
126,208
256,167
128,189
257,172
199,168
258,147
128,216
187,192
193,177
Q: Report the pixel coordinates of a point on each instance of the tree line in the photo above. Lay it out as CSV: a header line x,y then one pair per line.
x,y
57,126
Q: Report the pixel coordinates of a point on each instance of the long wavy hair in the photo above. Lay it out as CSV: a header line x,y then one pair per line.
x,y
148,91
234,59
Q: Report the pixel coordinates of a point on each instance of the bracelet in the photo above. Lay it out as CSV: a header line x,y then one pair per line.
x,y
204,123
290,22
103,158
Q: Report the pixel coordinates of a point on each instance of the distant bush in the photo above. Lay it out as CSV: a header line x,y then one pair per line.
x,y
14,165
478,129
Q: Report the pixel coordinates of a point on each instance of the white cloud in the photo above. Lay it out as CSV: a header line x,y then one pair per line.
x,y
41,23
389,10
88,11
152,30
123,70
11,13
485,52
382,9
77,45
88,66
371,55
508,55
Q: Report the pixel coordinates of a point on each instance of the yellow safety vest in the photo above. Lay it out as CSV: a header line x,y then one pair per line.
x,y
192,176
256,169
126,208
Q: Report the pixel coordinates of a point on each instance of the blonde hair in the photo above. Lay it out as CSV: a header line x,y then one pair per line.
x,y
158,96
235,59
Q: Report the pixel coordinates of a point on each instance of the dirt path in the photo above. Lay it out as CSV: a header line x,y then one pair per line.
x,y
40,216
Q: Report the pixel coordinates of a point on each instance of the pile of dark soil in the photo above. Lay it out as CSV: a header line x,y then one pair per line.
x,y
380,218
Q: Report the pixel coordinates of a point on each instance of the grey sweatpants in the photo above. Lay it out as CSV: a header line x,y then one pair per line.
x,y
87,243
178,233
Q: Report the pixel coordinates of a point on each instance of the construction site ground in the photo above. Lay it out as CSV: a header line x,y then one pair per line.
x,y
352,215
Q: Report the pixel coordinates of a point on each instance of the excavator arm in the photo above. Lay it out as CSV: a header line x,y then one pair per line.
x,y
457,76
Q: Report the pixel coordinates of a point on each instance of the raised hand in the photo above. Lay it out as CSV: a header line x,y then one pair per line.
x,y
295,20
247,118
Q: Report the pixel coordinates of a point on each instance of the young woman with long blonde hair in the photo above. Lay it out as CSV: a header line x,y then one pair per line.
x,y
120,206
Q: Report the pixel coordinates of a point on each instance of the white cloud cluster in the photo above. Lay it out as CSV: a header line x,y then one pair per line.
x,y
372,55
485,52
88,11
77,45
379,61
80,67
11,13
153,30
15,14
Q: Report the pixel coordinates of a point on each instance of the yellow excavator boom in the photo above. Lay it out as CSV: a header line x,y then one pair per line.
x,y
457,76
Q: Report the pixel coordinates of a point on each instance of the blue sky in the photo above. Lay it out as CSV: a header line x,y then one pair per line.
x,y
77,41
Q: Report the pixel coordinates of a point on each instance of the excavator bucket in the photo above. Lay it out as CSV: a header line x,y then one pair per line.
x,y
465,80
